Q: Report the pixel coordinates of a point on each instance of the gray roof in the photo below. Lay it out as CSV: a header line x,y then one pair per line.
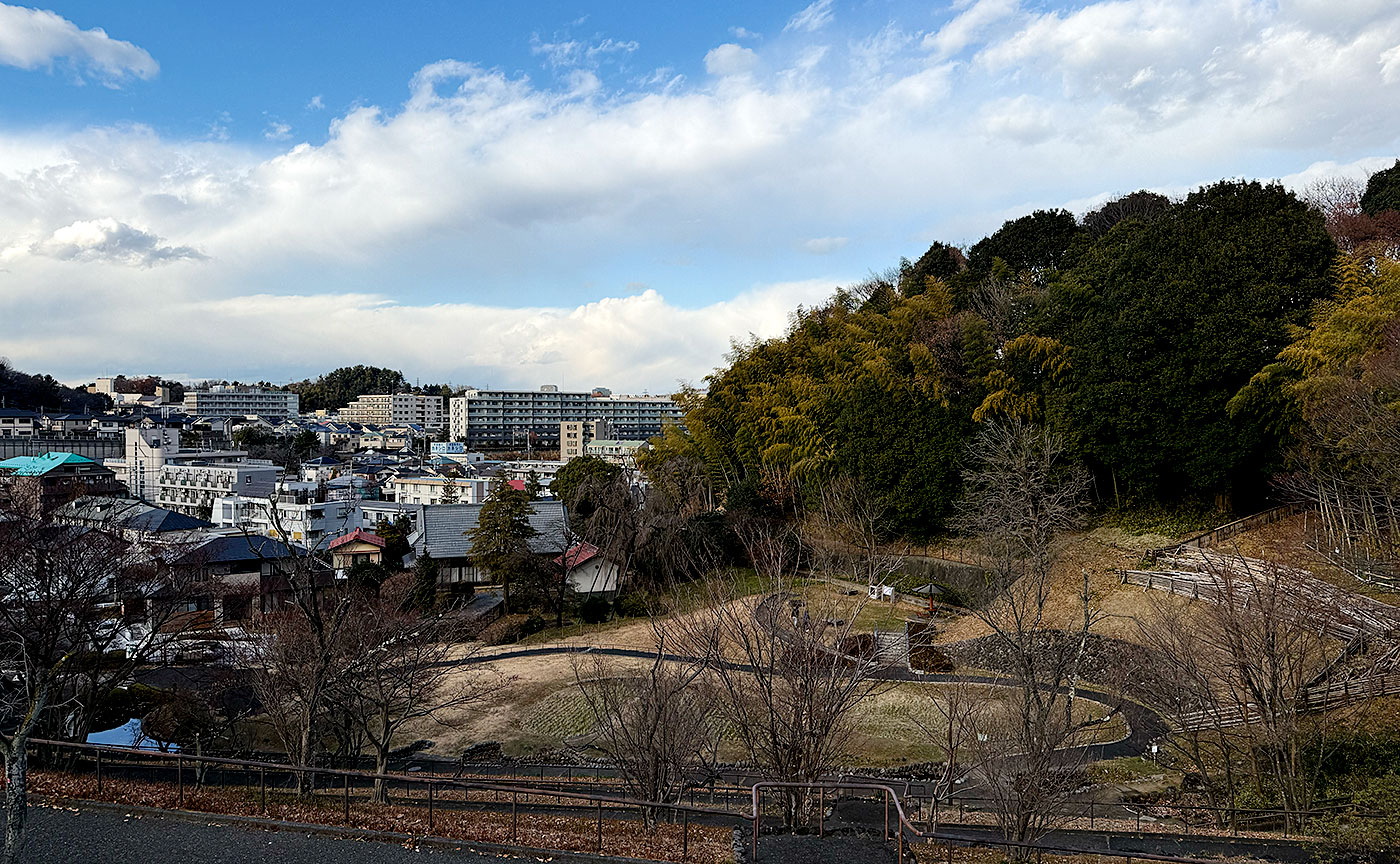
x,y
443,528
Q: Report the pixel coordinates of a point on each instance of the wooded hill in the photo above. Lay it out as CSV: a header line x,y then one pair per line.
x,y
1175,345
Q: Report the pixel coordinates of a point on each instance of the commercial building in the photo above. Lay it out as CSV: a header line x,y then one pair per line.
x,y
236,400
506,419
395,409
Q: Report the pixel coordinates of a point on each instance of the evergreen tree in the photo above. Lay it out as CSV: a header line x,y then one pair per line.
x,y
501,537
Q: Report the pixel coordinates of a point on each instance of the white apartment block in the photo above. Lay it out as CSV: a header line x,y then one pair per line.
x,y
313,524
504,419
235,400
150,450
189,487
432,490
395,409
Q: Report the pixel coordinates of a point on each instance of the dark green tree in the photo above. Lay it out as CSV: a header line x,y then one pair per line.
x,y
365,577
1035,242
340,387
579,474
1165,321
941,261
1382,191
501,537
1141,205
423,595
395,537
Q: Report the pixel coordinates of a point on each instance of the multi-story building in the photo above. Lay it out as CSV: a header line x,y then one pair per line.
x,y
622,453
506,419
54,479
150,448
395,409
17,423
431,489
193,487
574,436
301,518
236,400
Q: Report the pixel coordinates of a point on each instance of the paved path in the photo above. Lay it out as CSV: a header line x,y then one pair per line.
x,y
102,836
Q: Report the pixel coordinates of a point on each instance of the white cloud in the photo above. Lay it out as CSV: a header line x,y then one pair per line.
x,y
825,245
569,53
743,33
277,131
973,22
490,189
110,241
316,103
38,38
730,59
812,18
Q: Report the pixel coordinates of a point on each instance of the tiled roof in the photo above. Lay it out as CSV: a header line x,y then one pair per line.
x,y
359,534
443,528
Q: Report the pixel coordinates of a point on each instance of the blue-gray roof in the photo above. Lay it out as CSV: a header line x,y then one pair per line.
x,y
443,528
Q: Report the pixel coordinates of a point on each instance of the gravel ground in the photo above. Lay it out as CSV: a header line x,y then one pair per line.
x,y
93,836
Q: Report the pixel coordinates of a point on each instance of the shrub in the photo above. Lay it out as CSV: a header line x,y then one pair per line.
x,y
594,610
631,606
505,631
533,624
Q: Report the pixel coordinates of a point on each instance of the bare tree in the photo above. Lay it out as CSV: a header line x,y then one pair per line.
x,y
960,714
1020,496
297,652
1250,659
783,680
654,725
80,608
404,668
847,529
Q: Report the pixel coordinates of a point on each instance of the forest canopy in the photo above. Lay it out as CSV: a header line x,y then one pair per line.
x,y
1140,333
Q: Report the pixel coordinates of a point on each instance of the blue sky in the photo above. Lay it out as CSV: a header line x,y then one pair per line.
x,y
599,193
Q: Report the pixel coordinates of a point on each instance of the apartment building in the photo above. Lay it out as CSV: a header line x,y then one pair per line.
x,y
193,487
303,520
395,409
430,489
622,453
150,449
575,435
236,400
505,419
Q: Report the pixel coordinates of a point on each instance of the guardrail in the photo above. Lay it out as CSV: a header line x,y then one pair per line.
x,y
518,796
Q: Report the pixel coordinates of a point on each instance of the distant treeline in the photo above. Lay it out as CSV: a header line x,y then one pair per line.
x,y
1176,345
43,393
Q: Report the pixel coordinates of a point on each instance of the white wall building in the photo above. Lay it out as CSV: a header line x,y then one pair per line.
x,y
313,524
431,490
395,409
189,487
504,419
235,400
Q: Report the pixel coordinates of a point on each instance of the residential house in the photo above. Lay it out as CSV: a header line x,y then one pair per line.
x,y
51,480
443,531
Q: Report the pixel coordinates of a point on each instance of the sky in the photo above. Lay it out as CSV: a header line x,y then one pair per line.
x,y
600,194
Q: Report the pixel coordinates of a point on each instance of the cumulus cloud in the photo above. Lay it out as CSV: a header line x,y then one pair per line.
x,y
812,18
486,189
743,33
107,240
730,59
277,131
38,38
825,245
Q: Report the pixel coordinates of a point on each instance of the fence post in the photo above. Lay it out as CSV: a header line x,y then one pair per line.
x,y
262,784
347,799
1091,815
600,827
430,805
685,834
514,800
887,815
180,778
821,811
99,772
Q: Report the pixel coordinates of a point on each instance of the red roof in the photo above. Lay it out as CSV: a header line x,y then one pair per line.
x,y
517,484
581,552
361,535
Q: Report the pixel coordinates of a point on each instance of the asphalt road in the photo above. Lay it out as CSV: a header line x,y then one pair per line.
x,y
93,836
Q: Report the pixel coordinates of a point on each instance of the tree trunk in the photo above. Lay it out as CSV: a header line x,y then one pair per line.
x,y
381,766
16,800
